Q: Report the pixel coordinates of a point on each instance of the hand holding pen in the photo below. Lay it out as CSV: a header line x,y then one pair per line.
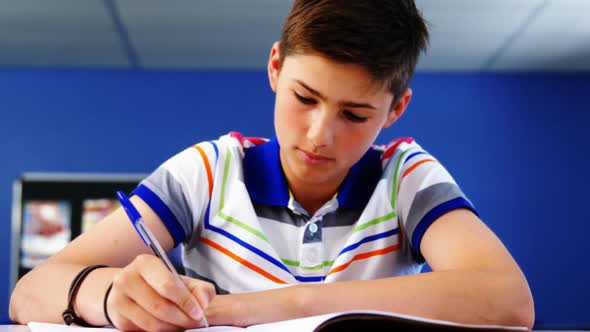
x,y
148,294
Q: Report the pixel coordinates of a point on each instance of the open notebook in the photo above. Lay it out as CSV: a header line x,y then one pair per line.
x,y
343,321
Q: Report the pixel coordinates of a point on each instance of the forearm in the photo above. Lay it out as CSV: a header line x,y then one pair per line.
x,y
258,307
461,296
46,290
466,296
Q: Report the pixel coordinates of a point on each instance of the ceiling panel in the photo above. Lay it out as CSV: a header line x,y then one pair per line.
x,y
558,39
58,32
203,34
466,34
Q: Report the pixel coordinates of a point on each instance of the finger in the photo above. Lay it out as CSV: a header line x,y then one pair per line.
x,y
136,288
225,310
155,273
203,291
128,316
134,317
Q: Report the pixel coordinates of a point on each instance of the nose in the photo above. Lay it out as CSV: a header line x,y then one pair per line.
x,y
320,132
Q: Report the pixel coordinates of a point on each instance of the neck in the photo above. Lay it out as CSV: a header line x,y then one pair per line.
x,y
312,196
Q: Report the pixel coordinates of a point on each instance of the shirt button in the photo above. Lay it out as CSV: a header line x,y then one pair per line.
x,y
313,228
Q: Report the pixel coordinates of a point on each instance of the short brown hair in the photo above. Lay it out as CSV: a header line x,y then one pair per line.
x,y
385,37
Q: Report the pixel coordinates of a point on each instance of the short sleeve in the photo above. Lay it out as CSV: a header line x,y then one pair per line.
x,y
424,191
178,191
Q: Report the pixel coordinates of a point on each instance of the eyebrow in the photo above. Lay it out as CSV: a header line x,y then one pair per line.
x,y
344,103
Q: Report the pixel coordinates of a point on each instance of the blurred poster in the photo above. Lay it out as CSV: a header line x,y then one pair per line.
x,y
46,230
94,210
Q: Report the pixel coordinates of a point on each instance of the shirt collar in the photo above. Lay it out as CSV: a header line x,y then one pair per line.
x,y
263,174
266,183
360,183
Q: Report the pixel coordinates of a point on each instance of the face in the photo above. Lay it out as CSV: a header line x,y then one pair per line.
x,y
327,115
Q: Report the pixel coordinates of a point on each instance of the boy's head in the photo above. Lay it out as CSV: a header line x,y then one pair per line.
x,y
340,74
385,37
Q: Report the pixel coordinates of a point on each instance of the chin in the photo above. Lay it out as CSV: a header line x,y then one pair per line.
x,y
313,175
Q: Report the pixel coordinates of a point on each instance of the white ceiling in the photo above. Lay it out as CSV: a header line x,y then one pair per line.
x,y
466,35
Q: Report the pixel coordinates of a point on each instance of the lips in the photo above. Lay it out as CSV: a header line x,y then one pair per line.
x,y
313,158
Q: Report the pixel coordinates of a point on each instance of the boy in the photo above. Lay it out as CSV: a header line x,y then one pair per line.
x,y
345,225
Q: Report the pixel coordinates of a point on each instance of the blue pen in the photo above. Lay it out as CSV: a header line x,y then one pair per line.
x,y
150,240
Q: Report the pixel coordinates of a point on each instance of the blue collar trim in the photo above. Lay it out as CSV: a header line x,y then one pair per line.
x,y
360,183
263,174
266,183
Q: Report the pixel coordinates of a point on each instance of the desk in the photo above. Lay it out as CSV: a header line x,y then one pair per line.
x,y
14,328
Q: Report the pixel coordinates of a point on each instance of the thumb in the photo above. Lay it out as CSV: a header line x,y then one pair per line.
x,y
203,291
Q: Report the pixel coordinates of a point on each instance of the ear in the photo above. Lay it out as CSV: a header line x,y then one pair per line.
x,y
398,110
274,66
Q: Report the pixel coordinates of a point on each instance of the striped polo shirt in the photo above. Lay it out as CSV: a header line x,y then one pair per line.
x,y
227,203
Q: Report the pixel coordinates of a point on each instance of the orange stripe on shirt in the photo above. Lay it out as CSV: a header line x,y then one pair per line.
x,y
409,170
242,261
207,168
363,256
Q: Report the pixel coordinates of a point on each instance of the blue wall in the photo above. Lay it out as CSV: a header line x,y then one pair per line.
x,y
516,143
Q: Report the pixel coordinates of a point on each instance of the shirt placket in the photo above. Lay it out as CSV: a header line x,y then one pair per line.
x,y
312,249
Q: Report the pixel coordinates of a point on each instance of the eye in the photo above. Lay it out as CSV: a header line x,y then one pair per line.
x,y
353,117
304,100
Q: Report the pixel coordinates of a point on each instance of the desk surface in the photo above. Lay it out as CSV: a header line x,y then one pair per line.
x,y
14,328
